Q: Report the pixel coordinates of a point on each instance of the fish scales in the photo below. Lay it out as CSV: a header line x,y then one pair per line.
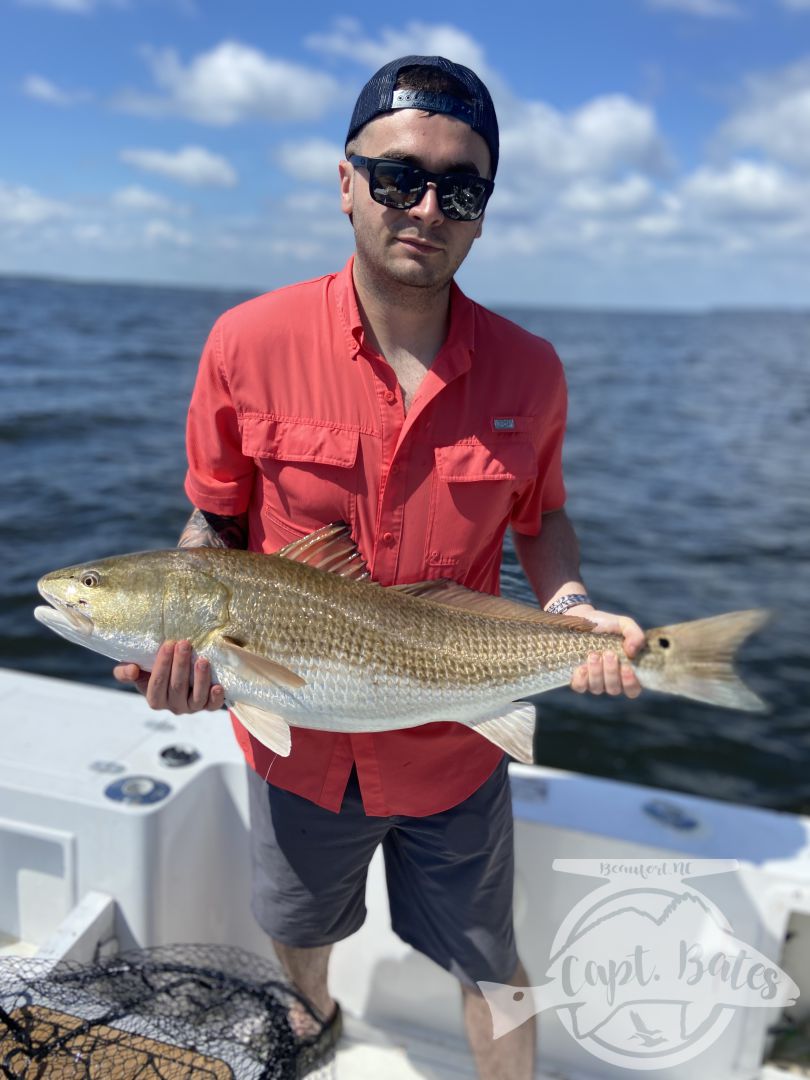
x,y
375,631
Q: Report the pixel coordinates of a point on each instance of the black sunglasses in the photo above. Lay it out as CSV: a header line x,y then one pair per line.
x,y
462,196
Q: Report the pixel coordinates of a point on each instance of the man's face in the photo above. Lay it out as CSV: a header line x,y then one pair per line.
x,y
418,247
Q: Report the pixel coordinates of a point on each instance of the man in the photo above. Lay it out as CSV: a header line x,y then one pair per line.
x,y
382,396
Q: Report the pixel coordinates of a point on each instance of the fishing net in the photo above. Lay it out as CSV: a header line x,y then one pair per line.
x,y
180,1012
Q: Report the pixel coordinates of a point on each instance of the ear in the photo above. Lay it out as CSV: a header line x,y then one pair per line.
x,y
346,174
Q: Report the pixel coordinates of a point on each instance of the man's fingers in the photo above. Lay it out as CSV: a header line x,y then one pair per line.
x,y
201,686
605,674
634,636
630,684
157,693
170,684
203,694
126,673
180,678
216,698
612,677
596,675
579,680
131,675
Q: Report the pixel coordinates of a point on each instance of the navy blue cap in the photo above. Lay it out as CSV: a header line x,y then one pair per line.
x,y
380,95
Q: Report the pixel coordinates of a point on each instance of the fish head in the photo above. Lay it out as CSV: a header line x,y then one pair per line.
x,y
113,606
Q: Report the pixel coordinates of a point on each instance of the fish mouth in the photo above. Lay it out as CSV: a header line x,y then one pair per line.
x,y
65,619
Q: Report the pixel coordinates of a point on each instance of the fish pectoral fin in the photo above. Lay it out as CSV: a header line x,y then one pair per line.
x,y
512,730
250,664
271,730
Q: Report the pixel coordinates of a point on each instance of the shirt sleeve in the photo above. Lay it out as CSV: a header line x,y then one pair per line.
x,y
220,477
546,492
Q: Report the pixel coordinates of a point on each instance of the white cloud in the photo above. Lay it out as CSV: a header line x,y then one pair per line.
x,y
707,9
21,206
775,115
72,7
42,89
627,196
159,232
346,40
91,233
75,7
141,200
797,5
312,160
231,83
606,136
583,194
192,165
746,190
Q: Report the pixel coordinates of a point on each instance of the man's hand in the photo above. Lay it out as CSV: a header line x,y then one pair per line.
x,y
606,673
170,684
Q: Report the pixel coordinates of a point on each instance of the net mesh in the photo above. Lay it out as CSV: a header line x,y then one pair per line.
x,y
174,1013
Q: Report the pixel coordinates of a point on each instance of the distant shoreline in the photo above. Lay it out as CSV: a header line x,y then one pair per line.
x,y
246,291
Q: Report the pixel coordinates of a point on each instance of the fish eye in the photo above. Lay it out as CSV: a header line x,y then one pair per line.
x,y
90,579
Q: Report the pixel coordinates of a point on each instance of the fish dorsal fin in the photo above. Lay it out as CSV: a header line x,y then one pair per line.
x,y
330,548
252,665
452,594
512,730
271,730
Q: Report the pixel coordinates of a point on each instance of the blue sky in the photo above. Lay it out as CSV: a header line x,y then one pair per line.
x,y
655,153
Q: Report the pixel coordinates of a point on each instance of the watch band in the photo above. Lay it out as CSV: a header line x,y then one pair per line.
x,y
563,603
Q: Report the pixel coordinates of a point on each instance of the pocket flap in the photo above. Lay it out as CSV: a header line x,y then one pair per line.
x,y
299,440
512,460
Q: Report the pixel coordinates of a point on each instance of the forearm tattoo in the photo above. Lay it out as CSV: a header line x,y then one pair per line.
x,y
212,530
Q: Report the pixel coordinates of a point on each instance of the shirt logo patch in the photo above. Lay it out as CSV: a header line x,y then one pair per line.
x,y
504,423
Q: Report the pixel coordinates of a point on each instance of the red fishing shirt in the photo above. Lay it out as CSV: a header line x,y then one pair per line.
x,y
298,421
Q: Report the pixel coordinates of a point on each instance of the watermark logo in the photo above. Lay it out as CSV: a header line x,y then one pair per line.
x,y
645,971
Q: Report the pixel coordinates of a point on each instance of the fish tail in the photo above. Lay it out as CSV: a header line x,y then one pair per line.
x,y
696,659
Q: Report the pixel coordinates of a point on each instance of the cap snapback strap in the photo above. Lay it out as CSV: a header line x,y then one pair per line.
x,y
433,101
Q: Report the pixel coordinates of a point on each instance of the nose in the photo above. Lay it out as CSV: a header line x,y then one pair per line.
x,y
427,209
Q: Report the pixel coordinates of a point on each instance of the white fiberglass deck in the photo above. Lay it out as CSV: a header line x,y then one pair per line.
x,y
177,869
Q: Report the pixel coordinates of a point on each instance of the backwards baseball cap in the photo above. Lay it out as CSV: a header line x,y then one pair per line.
x,y
380,95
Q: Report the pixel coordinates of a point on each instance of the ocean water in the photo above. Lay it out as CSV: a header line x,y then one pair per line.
x,y
688,472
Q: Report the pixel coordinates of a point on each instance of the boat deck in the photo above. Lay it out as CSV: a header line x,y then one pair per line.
x,y
85,869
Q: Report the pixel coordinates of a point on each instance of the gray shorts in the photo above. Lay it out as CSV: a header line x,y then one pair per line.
x,y
449,875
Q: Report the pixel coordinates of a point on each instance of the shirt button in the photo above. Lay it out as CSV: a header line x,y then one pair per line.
x,y
390,397
388,538
394,470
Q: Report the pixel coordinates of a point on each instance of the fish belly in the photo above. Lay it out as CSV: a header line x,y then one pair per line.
x,y
338,697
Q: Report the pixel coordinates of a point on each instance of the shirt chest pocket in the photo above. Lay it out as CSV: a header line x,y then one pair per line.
x,y
474,487
307,470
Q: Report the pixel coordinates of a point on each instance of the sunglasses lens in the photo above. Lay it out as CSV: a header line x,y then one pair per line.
x,y
396,185
463,199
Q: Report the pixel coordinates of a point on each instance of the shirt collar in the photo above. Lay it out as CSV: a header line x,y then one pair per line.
x,y
346,300
459,344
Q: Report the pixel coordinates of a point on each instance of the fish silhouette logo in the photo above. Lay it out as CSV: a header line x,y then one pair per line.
x,y
645,972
